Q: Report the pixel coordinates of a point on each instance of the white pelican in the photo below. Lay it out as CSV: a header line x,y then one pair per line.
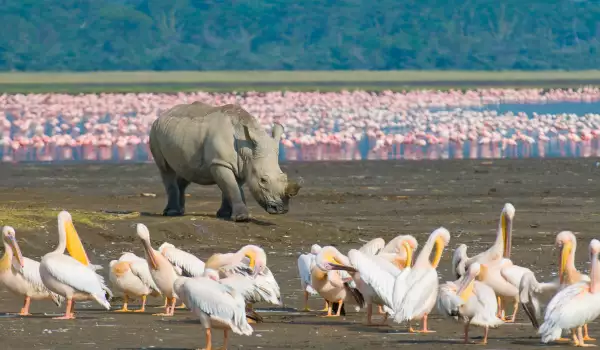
x,y
250,262
216,304
71,276
184,263
306,262
161,270
530,289
382,268
131,275
421,283
334,286
471,301
21,275
575,305
373,247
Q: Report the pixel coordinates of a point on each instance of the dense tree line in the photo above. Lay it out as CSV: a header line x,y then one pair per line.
x,y
87,35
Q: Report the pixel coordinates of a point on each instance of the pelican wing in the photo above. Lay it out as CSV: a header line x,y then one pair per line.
x,y
459,259
449,302
514,273
529,292
31,273
142,271
190,265
487,306
377,273
373,247
305,265
71,272
417,287
221,302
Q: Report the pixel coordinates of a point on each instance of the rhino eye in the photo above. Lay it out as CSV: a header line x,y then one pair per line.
x,y
264,180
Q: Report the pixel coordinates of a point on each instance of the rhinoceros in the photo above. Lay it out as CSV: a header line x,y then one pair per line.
x,y
222,145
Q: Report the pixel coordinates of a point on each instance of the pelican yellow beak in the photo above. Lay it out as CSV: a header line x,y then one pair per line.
x,y
74,245
150,253
409,254
563,259
439,248
466,288
252,257
17,251
506,227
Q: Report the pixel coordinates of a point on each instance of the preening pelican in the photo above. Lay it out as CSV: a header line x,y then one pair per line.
x,y
330,284
163,273
575,305
71,276
21,275
373,247
306,262
216,304
421,283
471,301
185,264
249,262
375,275
131,275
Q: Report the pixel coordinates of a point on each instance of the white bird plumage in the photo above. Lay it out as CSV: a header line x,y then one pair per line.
x,y
186,264
131,275
71,276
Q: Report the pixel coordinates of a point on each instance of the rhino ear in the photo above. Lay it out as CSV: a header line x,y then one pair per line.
x,y
277,131
250,136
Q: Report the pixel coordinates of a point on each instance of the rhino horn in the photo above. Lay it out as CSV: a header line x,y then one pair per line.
x,y
277,131
292,188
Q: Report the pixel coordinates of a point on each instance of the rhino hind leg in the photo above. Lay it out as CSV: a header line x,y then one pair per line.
x,y
173,207
232,197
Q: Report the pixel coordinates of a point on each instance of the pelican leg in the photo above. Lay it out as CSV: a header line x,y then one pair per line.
x,y
514,314
586,336
485,335
581,340
329,310
168,311
124,309
381,312
69,314
208,340
369,314
499,314
165,305
306,309
466,338
225,336
326,306
424,330
385,318
339,310
25,309
172,311
574,336
143,308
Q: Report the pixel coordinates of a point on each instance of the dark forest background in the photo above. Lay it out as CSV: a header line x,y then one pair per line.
x,y
88,35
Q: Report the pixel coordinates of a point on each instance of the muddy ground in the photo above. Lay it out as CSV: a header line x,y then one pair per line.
x,y
341,203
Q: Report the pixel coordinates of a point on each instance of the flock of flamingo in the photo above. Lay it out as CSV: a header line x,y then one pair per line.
x,y
222,290
319,126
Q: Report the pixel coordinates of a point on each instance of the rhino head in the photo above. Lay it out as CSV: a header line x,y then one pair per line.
x,y
268,184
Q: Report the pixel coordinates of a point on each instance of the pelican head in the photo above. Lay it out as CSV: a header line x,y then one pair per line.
x,y
466,288
69,235
257,258
144,234
10,238
442,238
594,247
315,249
506,224
329,258
566,242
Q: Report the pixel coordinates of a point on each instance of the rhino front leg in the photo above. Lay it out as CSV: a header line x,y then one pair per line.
x,y
173,207
232,196
225,211
182,184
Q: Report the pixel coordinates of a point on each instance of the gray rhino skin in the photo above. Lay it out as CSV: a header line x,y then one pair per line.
x,y
222,145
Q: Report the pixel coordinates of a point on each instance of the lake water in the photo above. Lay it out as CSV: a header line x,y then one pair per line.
x,y
579,108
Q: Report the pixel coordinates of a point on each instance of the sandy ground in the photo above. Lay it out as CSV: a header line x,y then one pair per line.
x,y
343,204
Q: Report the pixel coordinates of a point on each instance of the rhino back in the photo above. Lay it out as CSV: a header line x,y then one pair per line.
x,y
190,137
